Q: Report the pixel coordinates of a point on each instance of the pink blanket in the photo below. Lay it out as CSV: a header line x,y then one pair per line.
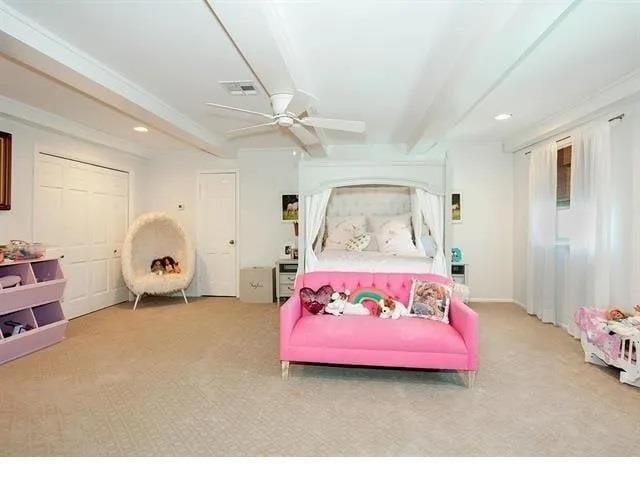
x,y
593,322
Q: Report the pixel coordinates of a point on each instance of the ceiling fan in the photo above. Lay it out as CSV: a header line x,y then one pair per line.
x,y
287,113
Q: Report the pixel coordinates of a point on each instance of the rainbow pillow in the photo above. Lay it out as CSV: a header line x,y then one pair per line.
x,y
371,296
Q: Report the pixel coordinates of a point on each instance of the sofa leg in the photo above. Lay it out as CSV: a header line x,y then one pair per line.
x,y
285,369
470,378
135,305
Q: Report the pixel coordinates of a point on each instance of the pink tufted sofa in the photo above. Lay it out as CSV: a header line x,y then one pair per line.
x,y
360,340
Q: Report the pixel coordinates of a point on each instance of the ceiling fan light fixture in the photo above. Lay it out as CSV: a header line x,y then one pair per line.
x,y
503,116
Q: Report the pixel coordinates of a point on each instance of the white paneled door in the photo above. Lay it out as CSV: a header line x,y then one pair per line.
x,y
81,213
217,223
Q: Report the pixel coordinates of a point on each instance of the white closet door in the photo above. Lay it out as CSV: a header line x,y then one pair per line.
x,y
81,215
217,267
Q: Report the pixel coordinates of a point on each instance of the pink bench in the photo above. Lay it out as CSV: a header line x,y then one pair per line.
x,y
408,342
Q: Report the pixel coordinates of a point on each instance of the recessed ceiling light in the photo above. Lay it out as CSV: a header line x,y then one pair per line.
x,y
141,129
503,116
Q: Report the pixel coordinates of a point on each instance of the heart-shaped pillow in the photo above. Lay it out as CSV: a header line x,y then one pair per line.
x,y
316,301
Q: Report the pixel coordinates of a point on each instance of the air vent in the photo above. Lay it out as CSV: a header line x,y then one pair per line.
x,y
240,88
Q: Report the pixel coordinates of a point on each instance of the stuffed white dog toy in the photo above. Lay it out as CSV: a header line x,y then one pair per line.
x,y
340,305
390,308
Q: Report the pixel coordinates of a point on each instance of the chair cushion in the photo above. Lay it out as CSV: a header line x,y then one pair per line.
x,y
408,334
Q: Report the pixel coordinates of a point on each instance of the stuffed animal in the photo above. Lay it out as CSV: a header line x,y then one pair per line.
x,y
170,265
157,267
390,308
340,305
337,303
616,314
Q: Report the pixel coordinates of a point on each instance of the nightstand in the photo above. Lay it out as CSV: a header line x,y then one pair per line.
x,y
286,270
460,273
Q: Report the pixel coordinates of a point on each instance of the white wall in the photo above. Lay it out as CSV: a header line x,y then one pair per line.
x,y
27,140
264,176
484,175
480,171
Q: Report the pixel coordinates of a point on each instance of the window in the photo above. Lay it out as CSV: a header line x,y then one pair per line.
x,y
563,192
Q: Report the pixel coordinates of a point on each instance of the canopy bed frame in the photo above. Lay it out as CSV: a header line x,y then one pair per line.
x,y
342,188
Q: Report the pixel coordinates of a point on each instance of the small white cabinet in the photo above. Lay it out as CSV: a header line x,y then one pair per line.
x,y
285,278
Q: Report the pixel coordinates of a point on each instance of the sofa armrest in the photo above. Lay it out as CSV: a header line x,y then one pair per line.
x,y
290,312
465,321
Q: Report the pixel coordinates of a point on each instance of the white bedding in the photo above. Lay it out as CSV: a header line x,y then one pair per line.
x,y
345,261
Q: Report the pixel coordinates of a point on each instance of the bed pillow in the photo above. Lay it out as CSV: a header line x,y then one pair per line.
x,y
430,300
359,243
393,235
377,222
315,301
342,229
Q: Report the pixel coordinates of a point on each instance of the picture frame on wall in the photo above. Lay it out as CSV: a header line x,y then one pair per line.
x,y
5,171
456,207
289,207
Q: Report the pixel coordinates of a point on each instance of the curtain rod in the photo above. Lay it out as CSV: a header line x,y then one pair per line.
x,y
617,117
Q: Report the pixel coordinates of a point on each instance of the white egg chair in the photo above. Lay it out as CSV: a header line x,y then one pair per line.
x,y
156,235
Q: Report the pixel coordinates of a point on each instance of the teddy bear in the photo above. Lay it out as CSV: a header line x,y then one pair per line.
x,y
390,308
340,305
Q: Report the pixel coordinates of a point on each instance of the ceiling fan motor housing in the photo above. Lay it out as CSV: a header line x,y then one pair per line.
x,y
285,121
280,102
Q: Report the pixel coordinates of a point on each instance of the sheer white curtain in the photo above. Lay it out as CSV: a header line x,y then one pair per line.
x,y
591,220
432,207
315,208
416,220
541,262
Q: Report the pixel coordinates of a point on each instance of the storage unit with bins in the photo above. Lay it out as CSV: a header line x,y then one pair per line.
x,y
35,304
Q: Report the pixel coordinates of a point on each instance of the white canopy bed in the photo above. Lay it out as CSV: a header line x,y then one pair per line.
x,y
373,191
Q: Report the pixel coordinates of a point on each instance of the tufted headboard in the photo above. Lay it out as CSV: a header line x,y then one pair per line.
x,y
396,285
369,200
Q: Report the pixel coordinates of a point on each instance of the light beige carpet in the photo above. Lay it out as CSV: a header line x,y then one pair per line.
x,y
204,379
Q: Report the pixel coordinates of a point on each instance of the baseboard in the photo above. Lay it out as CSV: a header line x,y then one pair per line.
x,y
521,305
493,300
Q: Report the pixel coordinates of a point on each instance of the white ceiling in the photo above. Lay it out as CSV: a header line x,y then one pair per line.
x,y
595,46
387,63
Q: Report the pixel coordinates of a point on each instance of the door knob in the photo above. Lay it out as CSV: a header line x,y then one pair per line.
x,y
232,242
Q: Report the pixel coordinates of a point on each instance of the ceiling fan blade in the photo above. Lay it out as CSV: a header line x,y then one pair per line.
x,y
334,124
304,135
240,131
300,102
227,107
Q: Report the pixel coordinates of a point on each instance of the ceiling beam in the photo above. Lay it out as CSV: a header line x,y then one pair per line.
x,y
23,113
482,71
28,43
262,39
